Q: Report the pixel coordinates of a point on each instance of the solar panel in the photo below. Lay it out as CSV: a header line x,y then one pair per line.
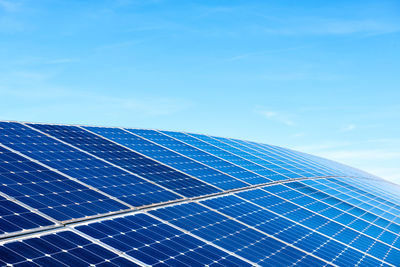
x,y
236,156
59,249
217,163
15,218
98,174
49,192
152,241
170,158
131,161
95,196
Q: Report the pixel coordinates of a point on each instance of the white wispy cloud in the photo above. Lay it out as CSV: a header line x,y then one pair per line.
x,y
10,6
275,116
331,26
348,128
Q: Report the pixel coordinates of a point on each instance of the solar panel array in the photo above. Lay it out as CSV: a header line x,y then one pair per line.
x,y
85,196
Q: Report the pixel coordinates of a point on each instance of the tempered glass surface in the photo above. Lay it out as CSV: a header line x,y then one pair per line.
x,y
132,162
201,156
152,242
259,158
271,156
277,223
332,223
233,236
329,214
170,158
15,218
49,192
237,156
79,165
59,249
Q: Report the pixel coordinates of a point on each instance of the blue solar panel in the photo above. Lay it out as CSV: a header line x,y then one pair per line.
x,y
236,156
134,162
152,242
49,192
59,249
94,172
233,236
79,196
170,158
259,158
190,151
15,218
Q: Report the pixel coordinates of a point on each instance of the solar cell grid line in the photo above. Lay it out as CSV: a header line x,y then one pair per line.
x,y
329,209
264,161
256,167
47,191
315,161
62,248
268,156
226,232
354,198
200,156
362,190
323,170
123,187
264,219
159,173
203,240
253,158
197,149
300,163
323,228
226,156
133,260
296,165
287,253
392,255
361,195
155,243
41,149
119,157
336,166
396,243
17,218
169,157
311,160
362,232
382,189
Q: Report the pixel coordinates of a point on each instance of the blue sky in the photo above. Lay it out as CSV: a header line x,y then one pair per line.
x,y
318,76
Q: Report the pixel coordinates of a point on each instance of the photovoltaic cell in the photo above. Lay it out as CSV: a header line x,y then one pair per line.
x,y
170,158
255,156
233,236
49,192
237,156
15,218
328,214
291,165
131,161
156,243
199,155
68,160
59,249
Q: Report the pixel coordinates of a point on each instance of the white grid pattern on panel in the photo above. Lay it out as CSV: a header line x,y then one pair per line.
x,y
253,155
273,155
312,230
223,160
228,152
233,178
342,200
262,232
